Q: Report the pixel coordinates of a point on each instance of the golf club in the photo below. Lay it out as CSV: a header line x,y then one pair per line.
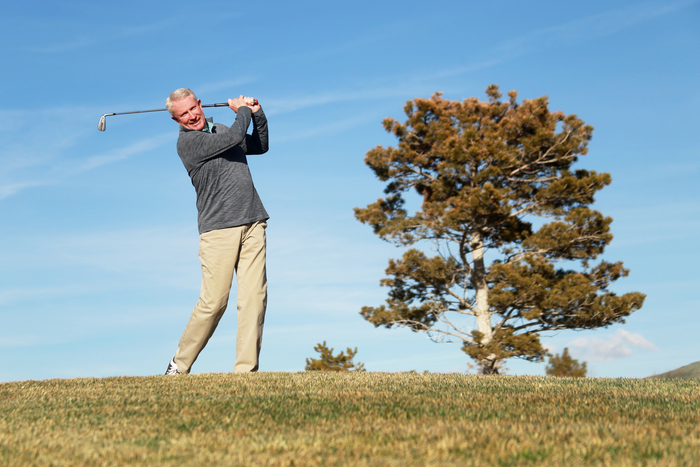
x,y
102,125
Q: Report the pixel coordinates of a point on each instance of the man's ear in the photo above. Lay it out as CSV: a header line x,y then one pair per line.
x,y
175,118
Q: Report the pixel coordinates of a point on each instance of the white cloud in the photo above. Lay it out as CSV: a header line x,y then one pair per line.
x,y
613,346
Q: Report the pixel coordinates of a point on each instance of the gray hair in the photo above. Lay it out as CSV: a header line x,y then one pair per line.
x,y
177,95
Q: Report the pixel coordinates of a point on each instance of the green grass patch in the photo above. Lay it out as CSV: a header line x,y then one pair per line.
x,y
363,419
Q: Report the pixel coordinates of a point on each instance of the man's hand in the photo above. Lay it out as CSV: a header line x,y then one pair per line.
x,y
255,106
237,103
243,101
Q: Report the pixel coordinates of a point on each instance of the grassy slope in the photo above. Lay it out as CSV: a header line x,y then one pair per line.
x,y
688,371
329,419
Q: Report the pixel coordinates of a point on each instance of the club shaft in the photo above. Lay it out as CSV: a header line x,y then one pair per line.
x,y
103,120
221,104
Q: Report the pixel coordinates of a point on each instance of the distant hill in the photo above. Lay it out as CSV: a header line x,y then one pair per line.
x,y
687,372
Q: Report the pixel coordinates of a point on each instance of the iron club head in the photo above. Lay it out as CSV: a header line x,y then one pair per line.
x,y
103,123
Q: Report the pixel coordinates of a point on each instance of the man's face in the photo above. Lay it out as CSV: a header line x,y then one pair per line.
x,y
188,113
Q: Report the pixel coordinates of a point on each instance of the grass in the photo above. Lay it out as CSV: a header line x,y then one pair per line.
x,y
363,419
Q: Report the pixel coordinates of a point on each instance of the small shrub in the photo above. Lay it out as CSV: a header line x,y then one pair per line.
x,y
329,362
564,365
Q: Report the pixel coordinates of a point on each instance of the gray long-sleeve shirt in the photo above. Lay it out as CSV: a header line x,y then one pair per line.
x,y
217,164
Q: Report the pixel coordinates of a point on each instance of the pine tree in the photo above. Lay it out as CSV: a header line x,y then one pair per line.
x,y
329,362
564,365
507,218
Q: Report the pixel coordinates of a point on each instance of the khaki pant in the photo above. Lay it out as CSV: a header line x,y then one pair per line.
x,y
240,249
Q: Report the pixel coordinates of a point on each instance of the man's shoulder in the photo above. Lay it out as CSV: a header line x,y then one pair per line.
x,y
187,140
190,142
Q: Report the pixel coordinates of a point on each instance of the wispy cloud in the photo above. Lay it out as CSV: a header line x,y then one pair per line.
x,y
79,42
673,222
296,103
143,251
227,85
9,189
80,36
591,27
569,33
359,40
45,175
28,340
371,93
145,29
87,37
33,159
573,32
89,263
121,154
325,129
618,345
12,295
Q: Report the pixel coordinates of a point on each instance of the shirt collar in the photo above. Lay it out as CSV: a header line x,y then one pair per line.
x,y
209,125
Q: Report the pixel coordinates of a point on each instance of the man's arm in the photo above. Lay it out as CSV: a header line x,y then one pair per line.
x,y
257,143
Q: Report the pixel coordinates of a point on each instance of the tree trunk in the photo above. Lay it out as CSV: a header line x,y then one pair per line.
x,y
483,316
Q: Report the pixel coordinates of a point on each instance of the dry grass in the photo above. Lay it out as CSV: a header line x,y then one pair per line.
x,y
364,419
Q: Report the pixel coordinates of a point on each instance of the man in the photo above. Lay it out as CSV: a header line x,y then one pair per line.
x,y
232,222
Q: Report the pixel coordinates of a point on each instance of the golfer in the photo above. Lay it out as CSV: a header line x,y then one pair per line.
x,y
232,222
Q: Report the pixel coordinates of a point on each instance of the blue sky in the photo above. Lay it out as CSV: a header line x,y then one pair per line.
x,y
98,263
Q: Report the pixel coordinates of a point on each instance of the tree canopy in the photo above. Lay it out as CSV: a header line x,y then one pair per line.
x,y
329,362
565,365
513,240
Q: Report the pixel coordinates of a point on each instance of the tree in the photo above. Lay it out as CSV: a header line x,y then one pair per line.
x,y
329,362
513,237
564,365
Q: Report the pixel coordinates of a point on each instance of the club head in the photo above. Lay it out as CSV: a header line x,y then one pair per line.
x,y
103,123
